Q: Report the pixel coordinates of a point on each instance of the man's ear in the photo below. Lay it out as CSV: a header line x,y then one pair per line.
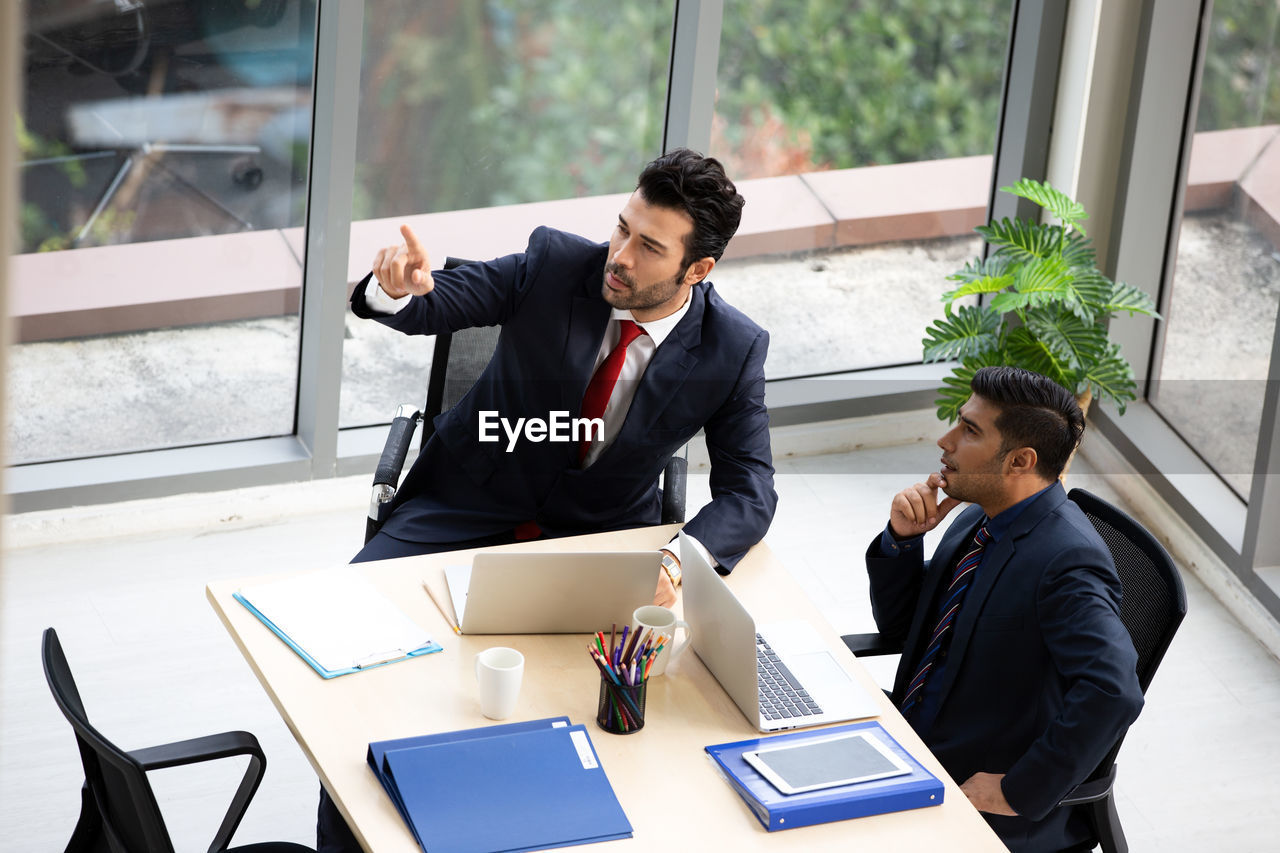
x,y
1021,461
698,270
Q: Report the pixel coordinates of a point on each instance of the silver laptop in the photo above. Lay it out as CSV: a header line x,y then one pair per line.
x,y
782,675
551,593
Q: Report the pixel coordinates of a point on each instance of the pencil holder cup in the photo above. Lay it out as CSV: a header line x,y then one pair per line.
x,y
621,710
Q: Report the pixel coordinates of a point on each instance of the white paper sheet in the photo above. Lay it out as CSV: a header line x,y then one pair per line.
x,y
338,617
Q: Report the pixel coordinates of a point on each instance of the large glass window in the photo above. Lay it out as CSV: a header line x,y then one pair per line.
x,y
1221,311
466,107
887,114
164,151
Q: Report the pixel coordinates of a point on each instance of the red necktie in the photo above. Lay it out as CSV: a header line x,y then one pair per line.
x,y
600,389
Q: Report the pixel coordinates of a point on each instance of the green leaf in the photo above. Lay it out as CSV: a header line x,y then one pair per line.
x,y
1090,290
953,393
1028,351
986,284
1071,213
1021,240
1111,378
1073,342
992,267
1038,283
970,331
955,388
1078,251
1126,297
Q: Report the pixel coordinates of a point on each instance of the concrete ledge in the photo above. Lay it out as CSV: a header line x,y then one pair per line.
x,y
107,289
906,201
1219,160
138,286
1260,186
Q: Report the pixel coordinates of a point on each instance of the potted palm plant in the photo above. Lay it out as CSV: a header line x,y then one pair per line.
x,y
1046,309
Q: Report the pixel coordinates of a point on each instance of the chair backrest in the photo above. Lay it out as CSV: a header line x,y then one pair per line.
x,y
456,363
1153,601
130,815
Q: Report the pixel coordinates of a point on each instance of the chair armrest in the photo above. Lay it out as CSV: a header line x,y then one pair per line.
x,y
674,484
870,645
195,750
208,748
387,475
396,450
1091,791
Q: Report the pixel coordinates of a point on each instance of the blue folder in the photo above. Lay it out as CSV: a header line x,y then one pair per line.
x,y
313,663
378,750
529,789
777,810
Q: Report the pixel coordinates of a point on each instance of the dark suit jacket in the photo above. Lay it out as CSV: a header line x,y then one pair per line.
x,y
1040,680
707,374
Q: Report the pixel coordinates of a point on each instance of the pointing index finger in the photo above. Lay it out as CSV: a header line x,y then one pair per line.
x,y
411,240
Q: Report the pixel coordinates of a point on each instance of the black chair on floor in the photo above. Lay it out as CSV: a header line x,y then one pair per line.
x,y
1153,605
456,363
118,810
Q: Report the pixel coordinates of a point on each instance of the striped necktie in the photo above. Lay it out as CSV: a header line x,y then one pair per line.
x,y
960,581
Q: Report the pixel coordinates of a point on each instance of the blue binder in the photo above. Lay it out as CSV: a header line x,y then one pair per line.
x,y
777,810
517,790
378,750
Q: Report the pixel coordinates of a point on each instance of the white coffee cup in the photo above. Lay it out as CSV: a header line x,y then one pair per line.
x,y
499,671
661,620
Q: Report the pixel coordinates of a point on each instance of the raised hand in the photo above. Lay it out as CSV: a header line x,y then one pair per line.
x,y
916,510
405,268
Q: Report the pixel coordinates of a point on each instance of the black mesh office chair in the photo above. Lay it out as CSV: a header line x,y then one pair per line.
x,y
118,810
457,361
1152,607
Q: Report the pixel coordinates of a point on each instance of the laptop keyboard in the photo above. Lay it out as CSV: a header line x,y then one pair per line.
x,y
781,696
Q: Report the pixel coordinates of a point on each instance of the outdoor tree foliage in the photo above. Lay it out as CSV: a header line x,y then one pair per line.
x,y
1241,83
864,83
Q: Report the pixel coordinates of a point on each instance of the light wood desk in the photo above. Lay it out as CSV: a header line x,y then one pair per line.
x,y
672,795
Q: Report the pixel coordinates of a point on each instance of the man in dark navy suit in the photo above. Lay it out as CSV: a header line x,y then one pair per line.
x,y
629,333
1016,670
689,362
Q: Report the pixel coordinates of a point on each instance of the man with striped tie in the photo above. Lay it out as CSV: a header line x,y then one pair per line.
x,y
1016,670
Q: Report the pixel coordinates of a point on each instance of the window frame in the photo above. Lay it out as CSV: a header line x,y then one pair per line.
x,y
318,449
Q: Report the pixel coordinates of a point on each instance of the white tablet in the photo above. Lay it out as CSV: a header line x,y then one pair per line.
x,y
826,762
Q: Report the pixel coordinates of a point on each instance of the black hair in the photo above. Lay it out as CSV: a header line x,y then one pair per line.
x,y
685,180
1035,412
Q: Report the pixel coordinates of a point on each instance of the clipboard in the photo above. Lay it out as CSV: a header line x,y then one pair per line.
x,y
336,621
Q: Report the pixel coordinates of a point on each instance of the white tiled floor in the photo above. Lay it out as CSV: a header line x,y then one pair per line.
x,y
1197,773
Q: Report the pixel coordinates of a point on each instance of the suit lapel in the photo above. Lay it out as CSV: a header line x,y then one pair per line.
x,y
999,555
672,363
941,565
588,322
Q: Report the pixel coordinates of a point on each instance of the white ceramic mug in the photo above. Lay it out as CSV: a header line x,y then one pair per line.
x,y
499,671
662,620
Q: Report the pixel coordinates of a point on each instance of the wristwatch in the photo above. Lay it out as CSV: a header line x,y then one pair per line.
x,y
671,566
